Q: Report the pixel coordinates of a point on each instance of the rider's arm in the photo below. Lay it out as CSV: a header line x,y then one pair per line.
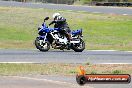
x,y
52,23
58,21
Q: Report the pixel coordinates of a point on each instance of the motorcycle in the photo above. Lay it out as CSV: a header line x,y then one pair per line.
x,y
50,37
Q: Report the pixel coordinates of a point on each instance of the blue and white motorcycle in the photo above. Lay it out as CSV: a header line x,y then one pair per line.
x,y
50,37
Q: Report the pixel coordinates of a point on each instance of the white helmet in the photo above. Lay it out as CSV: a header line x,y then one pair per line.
x,y
56,15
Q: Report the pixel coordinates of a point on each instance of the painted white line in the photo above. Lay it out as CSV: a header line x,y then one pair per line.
x,y
98,50
128,51
96,12
103,50
51,81
18,62
37,79
110,50
114,63
125,14
40,63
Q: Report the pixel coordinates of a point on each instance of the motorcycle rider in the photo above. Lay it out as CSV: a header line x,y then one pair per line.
x,y
60,22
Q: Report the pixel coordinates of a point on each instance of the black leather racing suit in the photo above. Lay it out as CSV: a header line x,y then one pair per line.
x,y
60,22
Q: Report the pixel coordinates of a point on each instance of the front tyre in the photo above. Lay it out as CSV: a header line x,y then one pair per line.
x,y
42,46
79,47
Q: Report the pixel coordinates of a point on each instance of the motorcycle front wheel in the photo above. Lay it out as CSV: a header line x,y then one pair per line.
x,y
42,46
79,47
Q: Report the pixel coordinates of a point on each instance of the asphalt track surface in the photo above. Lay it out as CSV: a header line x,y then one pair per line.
x,y
58,56
91,9
28,82
44,81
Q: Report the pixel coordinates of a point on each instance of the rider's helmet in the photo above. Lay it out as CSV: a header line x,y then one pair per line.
x,y
55,15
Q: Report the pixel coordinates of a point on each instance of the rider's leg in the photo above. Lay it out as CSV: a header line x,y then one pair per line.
x,y
69,36
68,33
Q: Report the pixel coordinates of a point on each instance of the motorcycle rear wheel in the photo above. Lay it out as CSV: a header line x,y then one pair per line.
x,y
79,48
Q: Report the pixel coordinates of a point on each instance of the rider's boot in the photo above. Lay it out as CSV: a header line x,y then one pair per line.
x,y
68,45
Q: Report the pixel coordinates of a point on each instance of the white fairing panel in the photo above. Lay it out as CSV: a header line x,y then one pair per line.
x,y
74,41
62,40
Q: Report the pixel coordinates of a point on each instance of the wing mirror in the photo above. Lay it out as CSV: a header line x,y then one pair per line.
x,y
46,18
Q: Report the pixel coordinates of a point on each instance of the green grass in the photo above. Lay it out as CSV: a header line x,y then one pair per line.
x,y
62,69
40,69
117,72
18,28
82,2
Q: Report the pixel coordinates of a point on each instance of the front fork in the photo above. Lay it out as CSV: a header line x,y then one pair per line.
x,y
42,42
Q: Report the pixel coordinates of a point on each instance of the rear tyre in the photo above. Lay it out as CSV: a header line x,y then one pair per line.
x,y
79,47
42,46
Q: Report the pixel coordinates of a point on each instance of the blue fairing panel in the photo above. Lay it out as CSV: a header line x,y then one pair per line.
x,y
77,32
41,37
